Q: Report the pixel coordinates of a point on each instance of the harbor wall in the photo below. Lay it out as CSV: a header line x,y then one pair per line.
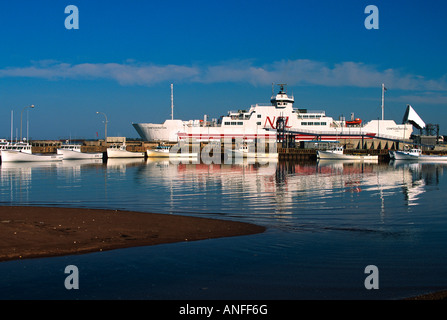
x,y
50,146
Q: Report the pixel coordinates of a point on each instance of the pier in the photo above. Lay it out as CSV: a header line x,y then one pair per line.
x,y
287,147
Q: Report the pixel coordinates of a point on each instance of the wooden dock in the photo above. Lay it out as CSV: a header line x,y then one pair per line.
x,y
311,154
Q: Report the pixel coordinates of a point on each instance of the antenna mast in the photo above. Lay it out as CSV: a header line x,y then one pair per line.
x,y
12,117
172,101
383,100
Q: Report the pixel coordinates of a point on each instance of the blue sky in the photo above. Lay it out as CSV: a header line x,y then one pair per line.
x,y
220,56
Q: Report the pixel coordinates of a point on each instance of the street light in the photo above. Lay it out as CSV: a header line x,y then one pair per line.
x,y
105,134
21,114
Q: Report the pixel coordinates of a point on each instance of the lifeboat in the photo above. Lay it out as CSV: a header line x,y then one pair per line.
x,y
355,122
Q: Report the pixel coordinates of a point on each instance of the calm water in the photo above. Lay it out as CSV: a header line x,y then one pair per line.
x,y
326,222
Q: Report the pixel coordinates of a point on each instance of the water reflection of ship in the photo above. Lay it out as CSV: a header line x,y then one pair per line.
x,y
254,173
121,164
423,174
283,180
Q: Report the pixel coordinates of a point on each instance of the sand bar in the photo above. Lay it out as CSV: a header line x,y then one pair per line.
x,y
31,232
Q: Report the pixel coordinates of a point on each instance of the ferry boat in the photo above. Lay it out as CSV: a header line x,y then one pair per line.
x,y
73,152
260,122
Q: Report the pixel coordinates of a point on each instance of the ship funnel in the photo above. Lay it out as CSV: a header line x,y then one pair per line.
x,y
413,118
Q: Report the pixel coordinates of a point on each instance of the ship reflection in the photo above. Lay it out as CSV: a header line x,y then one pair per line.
x,y
285,181
282,187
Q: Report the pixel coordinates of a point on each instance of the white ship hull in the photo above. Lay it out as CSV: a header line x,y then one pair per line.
x,y
245,152
167,154
151,153
260,122
116,153
403,155
329,155
74,155
240,154
17,156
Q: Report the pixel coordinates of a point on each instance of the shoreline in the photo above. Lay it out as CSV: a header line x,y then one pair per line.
x,y
436,295
38,232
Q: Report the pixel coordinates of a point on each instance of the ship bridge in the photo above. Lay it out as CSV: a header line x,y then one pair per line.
x,y
282,100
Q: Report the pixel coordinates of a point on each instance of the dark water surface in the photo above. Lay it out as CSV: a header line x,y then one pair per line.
x,y
326,222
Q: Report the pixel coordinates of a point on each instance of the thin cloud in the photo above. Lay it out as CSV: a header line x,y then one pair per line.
x,y
124,74
309,72
425,98
293,72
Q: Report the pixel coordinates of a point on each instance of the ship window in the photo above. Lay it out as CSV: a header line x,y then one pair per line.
x,y
233,123
226,123
258,123
310,123
304,123
240,123
323,123
259,115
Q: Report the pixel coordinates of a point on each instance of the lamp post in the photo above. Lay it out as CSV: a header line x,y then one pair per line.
x,y
105,133
21,116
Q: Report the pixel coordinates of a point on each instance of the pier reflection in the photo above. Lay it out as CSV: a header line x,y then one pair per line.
x,y
17,179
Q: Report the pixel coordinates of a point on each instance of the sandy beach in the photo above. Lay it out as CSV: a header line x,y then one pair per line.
x,y
32,232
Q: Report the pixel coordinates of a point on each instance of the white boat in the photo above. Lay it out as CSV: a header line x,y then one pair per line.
x,y
392,156
21,156
17,146
120,151
260,122
3,144
415,154
338,154
244,152
158,152
167,152
73,152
